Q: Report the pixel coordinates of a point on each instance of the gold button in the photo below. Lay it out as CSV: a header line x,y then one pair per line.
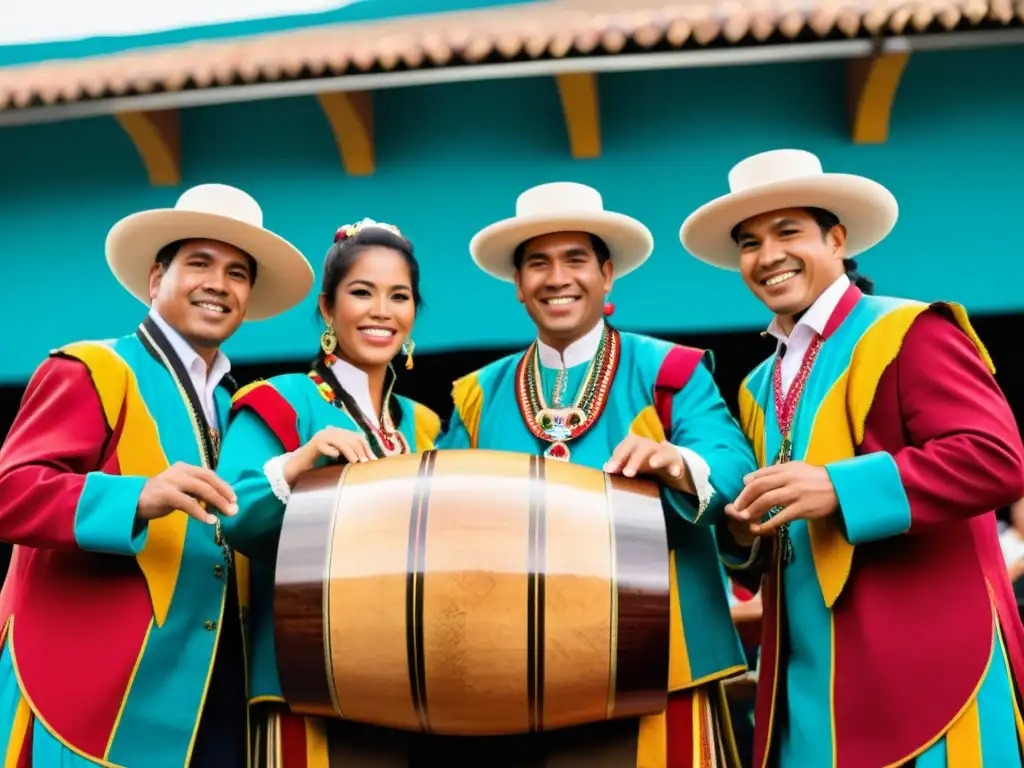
x,y
218,571
211,625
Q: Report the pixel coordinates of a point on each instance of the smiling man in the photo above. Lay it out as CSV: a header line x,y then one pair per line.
x,y
122,638
629,404
891,634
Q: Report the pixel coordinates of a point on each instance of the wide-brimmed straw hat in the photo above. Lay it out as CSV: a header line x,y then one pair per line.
x,y
788,178
561,207
212,212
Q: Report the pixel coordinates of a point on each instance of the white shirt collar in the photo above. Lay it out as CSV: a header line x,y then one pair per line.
x,y
580,351
817,315
204,380
189,357
356,383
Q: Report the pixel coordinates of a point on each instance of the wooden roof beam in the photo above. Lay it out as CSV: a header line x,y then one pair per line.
x,y
872,83
351,117
578,92
157,138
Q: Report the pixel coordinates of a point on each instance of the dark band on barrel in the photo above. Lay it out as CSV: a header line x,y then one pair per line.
x,y
415,572
641,660
535,594
301,593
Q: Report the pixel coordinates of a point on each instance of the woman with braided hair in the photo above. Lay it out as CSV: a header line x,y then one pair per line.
x,y
342,410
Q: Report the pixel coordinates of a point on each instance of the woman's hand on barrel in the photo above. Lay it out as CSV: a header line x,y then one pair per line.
x,y
332,442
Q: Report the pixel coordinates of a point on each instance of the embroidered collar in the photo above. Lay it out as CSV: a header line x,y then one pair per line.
x,y
384,437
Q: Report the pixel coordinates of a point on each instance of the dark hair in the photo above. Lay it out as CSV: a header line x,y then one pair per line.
x,y
338,262
166,255
826,221
342,256
600,251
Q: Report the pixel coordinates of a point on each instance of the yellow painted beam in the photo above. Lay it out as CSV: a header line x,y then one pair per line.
x,y
578,92
872,83
157,138
351,118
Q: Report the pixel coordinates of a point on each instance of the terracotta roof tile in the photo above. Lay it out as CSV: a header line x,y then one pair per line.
x,y
550,30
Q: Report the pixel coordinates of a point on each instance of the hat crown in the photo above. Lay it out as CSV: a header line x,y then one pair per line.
x,y
221,200
560,196
775,165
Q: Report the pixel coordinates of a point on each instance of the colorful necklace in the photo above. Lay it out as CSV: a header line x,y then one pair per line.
x,y
558,425
384,438
785,413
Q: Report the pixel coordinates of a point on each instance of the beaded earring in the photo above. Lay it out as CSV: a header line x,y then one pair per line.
x,y
328,340
407,347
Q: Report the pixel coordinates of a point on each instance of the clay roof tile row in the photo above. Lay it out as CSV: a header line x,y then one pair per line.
x,y
555,29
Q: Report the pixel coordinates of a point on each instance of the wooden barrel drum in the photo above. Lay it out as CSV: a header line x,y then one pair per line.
x,y
472,593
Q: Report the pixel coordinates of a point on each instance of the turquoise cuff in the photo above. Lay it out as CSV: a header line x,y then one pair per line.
x,y
686,505
105,518
872,502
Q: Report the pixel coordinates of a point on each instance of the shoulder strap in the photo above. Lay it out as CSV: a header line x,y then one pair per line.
x,y
263,399
676,370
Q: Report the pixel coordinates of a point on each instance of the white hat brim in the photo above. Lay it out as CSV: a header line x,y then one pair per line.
x,y
866,208
629,242
284,277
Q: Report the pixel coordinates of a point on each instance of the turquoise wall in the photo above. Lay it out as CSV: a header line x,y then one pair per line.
x,y
452,158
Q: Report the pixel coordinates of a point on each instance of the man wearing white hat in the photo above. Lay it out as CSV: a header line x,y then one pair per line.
x,y
891,633
628,404
121,613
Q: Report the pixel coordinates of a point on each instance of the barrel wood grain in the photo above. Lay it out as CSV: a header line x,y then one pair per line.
x,y
299,598
473,593
642,593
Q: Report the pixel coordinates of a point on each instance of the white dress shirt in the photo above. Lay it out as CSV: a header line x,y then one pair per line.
x,y
798,342
582,351
355,381
810,325
204,380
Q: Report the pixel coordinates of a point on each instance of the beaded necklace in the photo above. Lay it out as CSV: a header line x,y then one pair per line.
x,y
384,438
785,413
558,425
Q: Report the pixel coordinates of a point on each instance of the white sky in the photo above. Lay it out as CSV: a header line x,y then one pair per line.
x,y
41,21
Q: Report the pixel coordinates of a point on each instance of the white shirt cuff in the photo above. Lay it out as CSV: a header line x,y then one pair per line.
x,y
273,470
700,473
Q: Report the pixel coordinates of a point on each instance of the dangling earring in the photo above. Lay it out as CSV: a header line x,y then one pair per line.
x,y
407,347
328,341
609,308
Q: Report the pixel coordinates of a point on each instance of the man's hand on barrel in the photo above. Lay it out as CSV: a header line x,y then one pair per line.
x,y
332,442
640,456
191,489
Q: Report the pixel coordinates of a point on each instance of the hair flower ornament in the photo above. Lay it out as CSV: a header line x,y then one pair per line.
x,y
349,230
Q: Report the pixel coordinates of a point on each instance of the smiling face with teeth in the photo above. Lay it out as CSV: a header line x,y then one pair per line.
x,y
201,289
562,280
373,308
789,257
